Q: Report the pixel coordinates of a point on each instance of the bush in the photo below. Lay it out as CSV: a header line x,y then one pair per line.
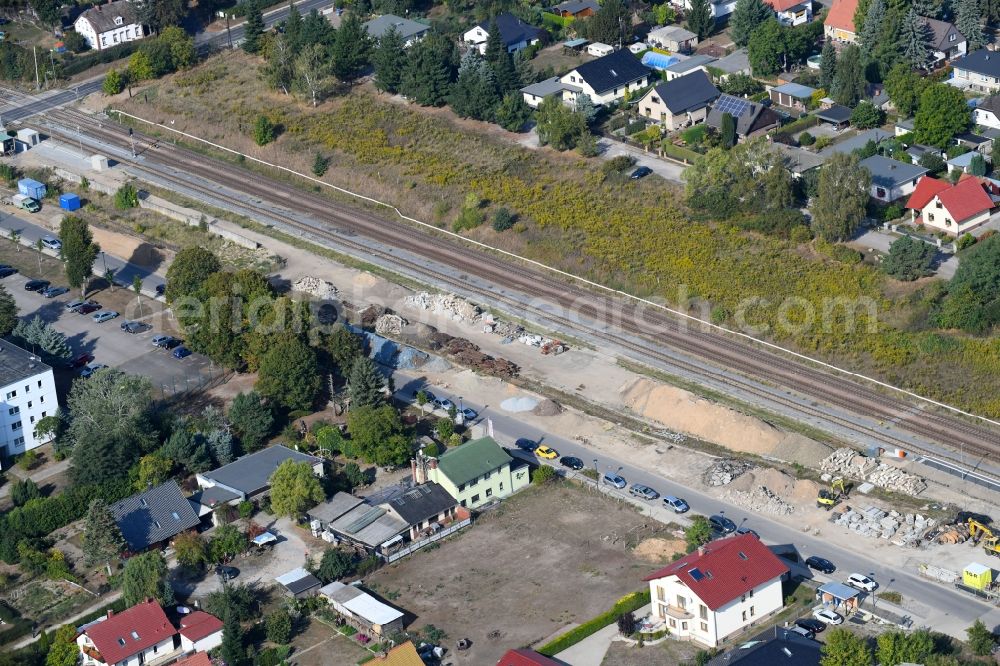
x,y
279,626
617,122
543,475
778,223
800,235
838,252
965,241
806,139
246,509
627,604
8,173
822,142
264,131
28,460
619,164
126,197
892,212
503,220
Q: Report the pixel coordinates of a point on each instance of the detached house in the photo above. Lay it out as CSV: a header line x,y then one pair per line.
x,y
515,34
246,477
719,590
140,635
606,79
154,517
792,12
987,112
673,38
681,102
720,8
474,473
752,118
954,209
839,22
979,70
575,8
411,32
891,179
111,24
946,41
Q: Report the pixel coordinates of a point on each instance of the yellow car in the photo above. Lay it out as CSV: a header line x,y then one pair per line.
x,y
546,452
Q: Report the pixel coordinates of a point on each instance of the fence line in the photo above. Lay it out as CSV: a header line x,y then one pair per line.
x,y
417,545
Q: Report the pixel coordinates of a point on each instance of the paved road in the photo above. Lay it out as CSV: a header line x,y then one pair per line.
x,y
19,109
214,40
949,610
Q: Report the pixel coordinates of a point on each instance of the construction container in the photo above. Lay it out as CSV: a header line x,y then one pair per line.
x,y
28,137
69,201
977,576
31,188
99,163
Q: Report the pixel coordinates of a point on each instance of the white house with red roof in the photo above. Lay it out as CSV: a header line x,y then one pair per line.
x,y
792,12
954,209
140,635
719,590
200,631
839,22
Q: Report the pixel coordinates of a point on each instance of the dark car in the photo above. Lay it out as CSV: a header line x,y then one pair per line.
x,y
641,172
526,444
80,361
427,394
721,524
52,292
87,308
810,624
226,573
820,564
747,530
134,327
571,462
7,271
182,352
161,289
36,285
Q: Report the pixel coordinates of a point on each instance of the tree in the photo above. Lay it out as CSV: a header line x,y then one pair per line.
x,y
253,29
154,470
969,21
909,259
429,71
312,72
294,489
699,18
610,23
145,577
47,10
445,428
698,533
227,543
377,435
365,384
513,112
140,67
293,27
182,50
842,198
746,17
584,105
232,650
278,626
126,197
251,420
343,347
981,639
849,81
766,48
543,475
977,165
351,48
866,115
187,450
942,114
8,312
334,565
264,131
728,131
904,87
389,60
288,376
503,220
189,270
558,125
23,491
79,251
842,648
474,94
916,40
114,82
626,624
43,338
64,651
220,444
827,65
872,27
159,14
191,550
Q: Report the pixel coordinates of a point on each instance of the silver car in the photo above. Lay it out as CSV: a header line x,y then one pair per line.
x,y
643,492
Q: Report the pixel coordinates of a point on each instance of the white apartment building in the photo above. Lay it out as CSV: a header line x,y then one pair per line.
x,y
28,389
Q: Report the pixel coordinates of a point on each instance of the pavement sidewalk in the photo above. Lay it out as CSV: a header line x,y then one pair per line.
x,y
591,650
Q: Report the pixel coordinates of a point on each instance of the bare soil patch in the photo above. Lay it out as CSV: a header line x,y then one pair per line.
x,y
659,550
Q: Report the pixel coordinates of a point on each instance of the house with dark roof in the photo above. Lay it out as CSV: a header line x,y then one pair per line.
x,y
575,8
979,70
891,179
606,79
752,118
154,517
718,591
423,507
987,112
299,583
200,631
247,477
139,635
695,63
946,42
839,22
110,24
475,473
775,647
515,34
681,102
955,209
411,32
791,12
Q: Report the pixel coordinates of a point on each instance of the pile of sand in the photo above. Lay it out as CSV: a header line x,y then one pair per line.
x,y
519,404
547,407
658,550
796,492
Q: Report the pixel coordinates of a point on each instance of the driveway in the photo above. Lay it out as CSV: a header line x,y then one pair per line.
x,y
880,241
663,168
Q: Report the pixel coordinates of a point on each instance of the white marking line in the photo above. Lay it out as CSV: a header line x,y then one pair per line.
x,y
966,473
617,292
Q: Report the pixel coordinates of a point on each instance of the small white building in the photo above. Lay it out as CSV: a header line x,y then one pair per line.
x,y
720,8
987,112
791,12
111,24
200,632
606,79
515,34
140,635
29,395
719,590
891,179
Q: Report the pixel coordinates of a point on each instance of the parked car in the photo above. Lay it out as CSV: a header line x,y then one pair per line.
x,y
572,462
802,631
160,340
721,524
546,452
80,361
74,304
7,272
747,530
469,414
102,317
676,503
182,352
87,308
861,582
643,492
91,369
226,573
810,624
134,327
431,398
820,564
52,243
443,403
610,479
828,616
526,444
161,289
36,285
641,172
52,292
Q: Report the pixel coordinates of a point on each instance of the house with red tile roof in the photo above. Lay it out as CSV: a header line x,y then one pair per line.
x,y
140,635
719,590
791,12
525,657
196,659
839,23
954,209
200,631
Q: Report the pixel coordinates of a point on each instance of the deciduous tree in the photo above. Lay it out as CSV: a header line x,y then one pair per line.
x,y
866,115
377,435
334,565
842,198
288,376
189,270
942,114
153,470
227,543
78,250
558,125
191,550
312,73
974,291
278,626
294,489
981,640
145,577
843,648
611,24
904,87
114,82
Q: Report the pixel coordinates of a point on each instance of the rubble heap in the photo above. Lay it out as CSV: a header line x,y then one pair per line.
x,y
904,529
723,471
315,287
849,463
389,324
370,315
501,327
449,305
760,499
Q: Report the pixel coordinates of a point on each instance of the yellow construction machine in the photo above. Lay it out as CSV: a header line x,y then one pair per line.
x,y
980,533
827,499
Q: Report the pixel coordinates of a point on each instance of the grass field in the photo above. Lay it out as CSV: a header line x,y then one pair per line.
x,y
634,236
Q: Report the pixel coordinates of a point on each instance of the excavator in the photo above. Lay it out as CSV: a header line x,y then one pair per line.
x,y
980,533
827,499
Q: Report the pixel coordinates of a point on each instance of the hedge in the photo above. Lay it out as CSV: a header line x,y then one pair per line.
x,y
555,20
679,152
627,604
15,630
797,126
81,63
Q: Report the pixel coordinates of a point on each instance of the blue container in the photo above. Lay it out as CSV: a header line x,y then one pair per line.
x,y
69,201
31,188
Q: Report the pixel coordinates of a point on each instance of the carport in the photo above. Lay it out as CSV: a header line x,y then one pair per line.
x,y
838,596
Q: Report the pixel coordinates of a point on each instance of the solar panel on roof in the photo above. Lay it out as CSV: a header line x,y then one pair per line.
x,y
734,106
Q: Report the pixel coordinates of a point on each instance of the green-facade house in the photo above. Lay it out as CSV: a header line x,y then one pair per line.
x,y
474,473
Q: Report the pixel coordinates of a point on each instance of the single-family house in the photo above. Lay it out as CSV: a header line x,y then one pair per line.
x,y
719,590
606,79
140,635
673,38
681,102
200,632
110,24
515,34
979,70
247,477
424,509
409,31
599,49
737,62
974,142
720,8
903,126
684,67
798,160
525,657
536,92
780,646
987,112
955,209
299,583
962,162
575,8
476,473
752,118
363,611
791,12
917,152
946,42
154,517
792,95
892,179
839,22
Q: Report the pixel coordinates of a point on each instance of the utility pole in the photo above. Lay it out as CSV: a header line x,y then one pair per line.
x,y
38,83
228,32
131,139
79,137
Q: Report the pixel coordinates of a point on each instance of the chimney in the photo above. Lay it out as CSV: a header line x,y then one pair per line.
x,y
701,550
432,463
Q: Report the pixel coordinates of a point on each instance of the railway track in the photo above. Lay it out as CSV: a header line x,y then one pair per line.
x,y
654,328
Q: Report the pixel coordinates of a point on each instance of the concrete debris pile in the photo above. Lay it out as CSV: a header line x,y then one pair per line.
x,y
467,353
849,463
939,573
722,472
760,499
370,315
450,305
547,407
315,287
904,529
389,324
501,327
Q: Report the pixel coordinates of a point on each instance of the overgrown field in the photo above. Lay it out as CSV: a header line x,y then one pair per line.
x,y
635,236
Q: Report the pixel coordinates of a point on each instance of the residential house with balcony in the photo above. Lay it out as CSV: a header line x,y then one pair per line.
x,y
140,635
606,79
946,42
979,70
718,591
839,22
475,473
681,102
955,209
515,34
791,12
891,179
